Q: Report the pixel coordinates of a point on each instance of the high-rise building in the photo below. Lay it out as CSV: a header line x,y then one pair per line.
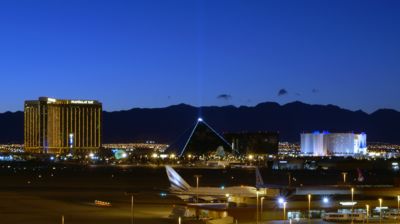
x,y
59,126
337,144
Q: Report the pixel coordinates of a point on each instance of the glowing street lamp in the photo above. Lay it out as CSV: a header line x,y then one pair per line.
x,y
344,174
309,206
284,211
352,198
352,194
380,210
398,204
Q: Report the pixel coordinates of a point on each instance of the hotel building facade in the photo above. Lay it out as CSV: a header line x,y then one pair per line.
x,y
62,126
333,144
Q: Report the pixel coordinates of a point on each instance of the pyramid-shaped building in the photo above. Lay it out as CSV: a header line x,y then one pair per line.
x,y
202,139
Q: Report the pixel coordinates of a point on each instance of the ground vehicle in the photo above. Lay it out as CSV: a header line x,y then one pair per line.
x,y
392,215
344,217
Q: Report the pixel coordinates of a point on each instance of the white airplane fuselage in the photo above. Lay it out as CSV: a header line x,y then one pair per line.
x,y
182,189
238,191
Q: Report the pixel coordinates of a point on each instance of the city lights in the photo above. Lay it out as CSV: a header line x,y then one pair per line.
x,y
178,112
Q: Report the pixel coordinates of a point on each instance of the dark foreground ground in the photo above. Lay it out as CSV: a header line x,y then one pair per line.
x,y
43,193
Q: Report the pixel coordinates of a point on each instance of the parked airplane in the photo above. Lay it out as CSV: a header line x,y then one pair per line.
x,y
182,189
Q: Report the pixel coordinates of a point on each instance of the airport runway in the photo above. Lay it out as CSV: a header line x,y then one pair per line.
x,y
78,207
41,194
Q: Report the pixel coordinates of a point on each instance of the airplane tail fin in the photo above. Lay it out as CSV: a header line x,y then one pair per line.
x,y
360,177
259,179
177,182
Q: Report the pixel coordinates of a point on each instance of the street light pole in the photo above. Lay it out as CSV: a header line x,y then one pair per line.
x,y
257,207
132,211
197,187
284,212
367,207
352,204
309,207
352,199
261,208
380,210
398,204
344,177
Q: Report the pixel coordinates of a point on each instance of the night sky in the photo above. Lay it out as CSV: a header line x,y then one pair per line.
x,y
157,53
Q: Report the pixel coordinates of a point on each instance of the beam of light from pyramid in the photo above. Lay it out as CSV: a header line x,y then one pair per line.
x,y
222,138
191,134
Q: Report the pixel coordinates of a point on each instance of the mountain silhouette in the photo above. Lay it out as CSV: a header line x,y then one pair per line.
x,y
167,125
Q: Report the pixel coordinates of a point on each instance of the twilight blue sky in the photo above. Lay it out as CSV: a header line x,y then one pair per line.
x,y
156,53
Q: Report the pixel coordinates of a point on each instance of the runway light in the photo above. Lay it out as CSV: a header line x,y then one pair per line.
x,y
325,200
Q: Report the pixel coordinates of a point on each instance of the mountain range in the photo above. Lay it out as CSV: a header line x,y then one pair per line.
x,y
166,125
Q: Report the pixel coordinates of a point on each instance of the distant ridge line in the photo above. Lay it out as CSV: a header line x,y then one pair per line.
x,y
165,124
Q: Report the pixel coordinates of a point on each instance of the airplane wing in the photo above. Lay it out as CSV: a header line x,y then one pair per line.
x,y
207,198
184,197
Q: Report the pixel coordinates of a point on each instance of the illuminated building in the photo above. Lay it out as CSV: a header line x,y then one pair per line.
x,y
338,144
59,126
201,140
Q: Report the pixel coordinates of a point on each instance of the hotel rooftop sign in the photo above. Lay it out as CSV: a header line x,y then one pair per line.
x,y
82,101
60,101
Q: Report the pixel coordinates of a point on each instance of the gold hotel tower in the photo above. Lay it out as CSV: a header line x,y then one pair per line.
x,y
61,126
